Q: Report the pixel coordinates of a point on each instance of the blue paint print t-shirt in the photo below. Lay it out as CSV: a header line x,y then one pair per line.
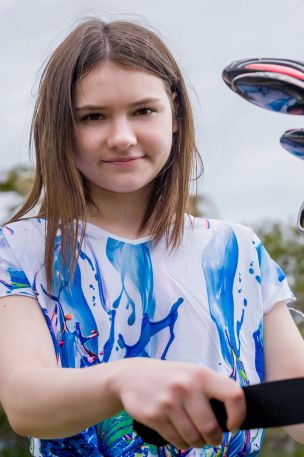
x,y
202,303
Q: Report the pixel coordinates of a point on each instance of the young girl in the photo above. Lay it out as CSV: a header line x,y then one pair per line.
x,y
117,304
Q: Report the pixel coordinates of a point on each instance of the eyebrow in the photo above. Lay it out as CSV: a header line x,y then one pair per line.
x,y
96,107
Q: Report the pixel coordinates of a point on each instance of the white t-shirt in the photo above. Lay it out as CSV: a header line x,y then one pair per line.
x,y
203,303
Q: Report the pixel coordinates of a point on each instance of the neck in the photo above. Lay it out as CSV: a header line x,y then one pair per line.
x,y
119,213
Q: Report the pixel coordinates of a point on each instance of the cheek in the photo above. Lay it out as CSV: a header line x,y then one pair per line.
x,y
86,139
85,149
78,161
159,139
86,164
83,158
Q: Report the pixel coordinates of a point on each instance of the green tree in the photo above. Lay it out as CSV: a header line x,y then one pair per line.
x,y
18,179
286,246
200,205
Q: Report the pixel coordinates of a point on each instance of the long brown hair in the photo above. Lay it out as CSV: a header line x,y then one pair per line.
x,y
58,182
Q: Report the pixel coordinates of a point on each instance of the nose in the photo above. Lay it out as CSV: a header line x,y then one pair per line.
x,y
121,135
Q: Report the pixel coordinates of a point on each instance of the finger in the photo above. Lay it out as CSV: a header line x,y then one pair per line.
x,y
168,431
203,419
229,392
185,427
236,411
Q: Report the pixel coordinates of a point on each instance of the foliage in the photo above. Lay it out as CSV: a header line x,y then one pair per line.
x,y
198,205
11,444
278,444
19,180
286,247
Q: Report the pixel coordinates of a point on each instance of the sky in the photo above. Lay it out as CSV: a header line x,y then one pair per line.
x,y
249,178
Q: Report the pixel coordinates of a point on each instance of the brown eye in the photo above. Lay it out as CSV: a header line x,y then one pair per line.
x,y
92,117
145,111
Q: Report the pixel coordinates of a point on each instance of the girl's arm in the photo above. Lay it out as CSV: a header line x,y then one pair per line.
x,y
284,353
39,398
48,402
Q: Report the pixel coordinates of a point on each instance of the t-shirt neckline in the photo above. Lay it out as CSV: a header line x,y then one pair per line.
x,y
98,232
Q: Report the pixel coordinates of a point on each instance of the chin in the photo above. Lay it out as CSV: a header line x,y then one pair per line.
x,y
128,188
128,191
124,190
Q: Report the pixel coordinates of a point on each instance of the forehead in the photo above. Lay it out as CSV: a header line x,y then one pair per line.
x,y
110,83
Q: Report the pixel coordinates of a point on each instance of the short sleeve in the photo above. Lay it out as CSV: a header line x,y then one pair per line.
x,y
13,280
272,279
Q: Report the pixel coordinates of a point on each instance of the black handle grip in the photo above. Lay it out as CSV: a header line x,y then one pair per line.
x,y
152,437
269,404
148,434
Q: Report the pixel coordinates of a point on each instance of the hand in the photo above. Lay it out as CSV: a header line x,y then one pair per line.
x,y
173,399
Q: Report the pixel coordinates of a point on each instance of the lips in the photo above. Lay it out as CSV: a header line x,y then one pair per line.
x,y
123,159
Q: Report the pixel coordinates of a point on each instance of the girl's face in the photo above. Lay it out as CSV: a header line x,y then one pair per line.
x,y
124,128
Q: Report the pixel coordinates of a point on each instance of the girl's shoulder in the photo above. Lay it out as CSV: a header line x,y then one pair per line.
x,y
23,235
210,237
217,227
24,225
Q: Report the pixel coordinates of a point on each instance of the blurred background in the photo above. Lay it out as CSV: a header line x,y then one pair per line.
x,y
248,177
